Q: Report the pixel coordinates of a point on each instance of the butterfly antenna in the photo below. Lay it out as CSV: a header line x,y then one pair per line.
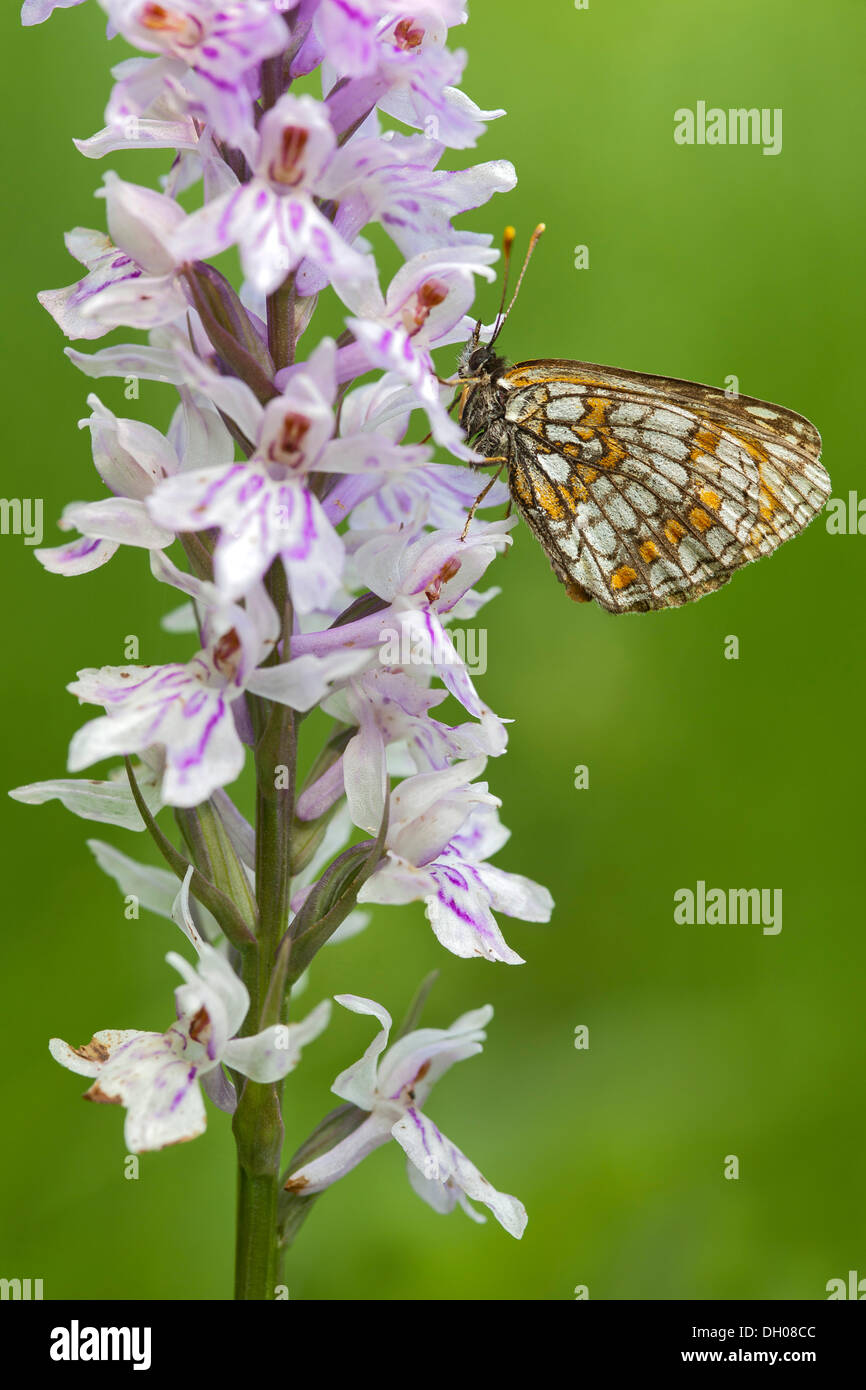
x,y
507,243
533,242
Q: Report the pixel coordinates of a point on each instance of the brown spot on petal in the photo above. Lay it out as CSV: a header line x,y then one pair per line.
x,y
184,1139
226,650
154,17
182,27
448,571
407,36
431,293
294,431
200,1024
288,169
288,446
296,1184
101,1097
94,1051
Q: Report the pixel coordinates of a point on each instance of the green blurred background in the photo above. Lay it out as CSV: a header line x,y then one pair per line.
x,y
705,1041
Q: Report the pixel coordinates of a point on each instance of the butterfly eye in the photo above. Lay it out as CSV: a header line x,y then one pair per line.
x,y
478,358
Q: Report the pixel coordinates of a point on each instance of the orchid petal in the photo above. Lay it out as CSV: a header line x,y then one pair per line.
x,y
437,1159
271,1054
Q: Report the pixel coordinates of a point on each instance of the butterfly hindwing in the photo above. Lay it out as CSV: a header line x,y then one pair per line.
x,y
647,491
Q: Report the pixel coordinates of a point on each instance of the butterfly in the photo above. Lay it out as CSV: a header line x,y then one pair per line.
x,y
645,492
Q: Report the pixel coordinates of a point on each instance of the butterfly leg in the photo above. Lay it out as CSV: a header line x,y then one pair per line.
x,y
501,459
460,381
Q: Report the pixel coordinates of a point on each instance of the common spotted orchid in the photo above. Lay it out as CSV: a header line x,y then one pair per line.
x,y
322,557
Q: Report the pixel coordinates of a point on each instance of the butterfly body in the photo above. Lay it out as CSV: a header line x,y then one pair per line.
x,y
645,492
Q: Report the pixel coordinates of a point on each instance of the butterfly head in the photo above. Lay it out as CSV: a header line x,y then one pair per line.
x,y
479,369
479,361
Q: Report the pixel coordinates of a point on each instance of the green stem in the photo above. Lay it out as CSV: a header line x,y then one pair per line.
x,y
275,801
258,1129
258,1122
256,1264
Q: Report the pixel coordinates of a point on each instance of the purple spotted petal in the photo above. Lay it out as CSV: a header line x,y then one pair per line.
x,y
441,1162
183,709
259,518
220,43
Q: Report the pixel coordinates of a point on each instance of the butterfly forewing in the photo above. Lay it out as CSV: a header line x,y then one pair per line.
x,y
647,491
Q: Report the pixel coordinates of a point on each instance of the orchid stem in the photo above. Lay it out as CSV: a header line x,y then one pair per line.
x,y
258,1129
258,1122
